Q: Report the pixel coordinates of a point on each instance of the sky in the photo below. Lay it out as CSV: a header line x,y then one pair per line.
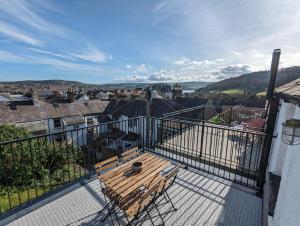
x,y
100,41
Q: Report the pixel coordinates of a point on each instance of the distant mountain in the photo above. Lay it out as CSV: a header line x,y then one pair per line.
x,y
185,85
46,83
254,82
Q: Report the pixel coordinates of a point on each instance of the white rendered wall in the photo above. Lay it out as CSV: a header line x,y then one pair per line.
x,y
279,149
77,136
285,161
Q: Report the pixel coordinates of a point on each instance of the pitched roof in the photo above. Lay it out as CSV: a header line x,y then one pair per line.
x,y
138,107
290,91
131,136
115,135
43,110
74,120
104,118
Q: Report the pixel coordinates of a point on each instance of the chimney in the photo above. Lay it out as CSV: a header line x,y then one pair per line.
x,y
273,73
71,95
13,106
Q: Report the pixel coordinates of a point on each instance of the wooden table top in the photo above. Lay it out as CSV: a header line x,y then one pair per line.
x,y
122,180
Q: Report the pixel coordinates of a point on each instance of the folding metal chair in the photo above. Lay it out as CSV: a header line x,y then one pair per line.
x,y
167,182
130,154
141,203
101,168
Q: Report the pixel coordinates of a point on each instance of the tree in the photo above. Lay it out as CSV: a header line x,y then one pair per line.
x,y
32,161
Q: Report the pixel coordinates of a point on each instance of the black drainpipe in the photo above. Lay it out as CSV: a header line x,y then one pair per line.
x,y
272,109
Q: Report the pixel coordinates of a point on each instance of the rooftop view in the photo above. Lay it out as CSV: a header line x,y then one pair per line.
x,y
149,113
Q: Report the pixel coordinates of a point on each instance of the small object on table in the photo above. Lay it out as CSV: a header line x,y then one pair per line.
x,y
166,170
137,166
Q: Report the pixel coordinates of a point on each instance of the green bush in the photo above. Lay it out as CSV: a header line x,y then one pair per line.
x,y
217,119
33,161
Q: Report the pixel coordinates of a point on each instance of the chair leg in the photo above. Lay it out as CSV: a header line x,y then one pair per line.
x,y
116,216
166,197
170,201
126,218
150,217
105,207
109,213
162,219
130,222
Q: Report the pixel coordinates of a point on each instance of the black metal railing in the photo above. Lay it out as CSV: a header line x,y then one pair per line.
x,y
218,149
33,167
225,115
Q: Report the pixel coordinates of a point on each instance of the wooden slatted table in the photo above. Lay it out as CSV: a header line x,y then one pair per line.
x,y
122,180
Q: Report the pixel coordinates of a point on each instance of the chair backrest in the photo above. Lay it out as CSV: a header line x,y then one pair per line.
x,y
141,200
130,154
149,195
169,179
100,167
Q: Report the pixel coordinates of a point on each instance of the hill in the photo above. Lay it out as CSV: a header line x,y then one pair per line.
x,y
185,85
254,82
47,83
65,83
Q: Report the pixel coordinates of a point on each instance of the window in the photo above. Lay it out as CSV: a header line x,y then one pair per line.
x,y
60,137
132,122
75,126
57,123
90,121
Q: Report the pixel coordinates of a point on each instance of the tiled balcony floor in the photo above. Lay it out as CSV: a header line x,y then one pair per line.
x,y
201,199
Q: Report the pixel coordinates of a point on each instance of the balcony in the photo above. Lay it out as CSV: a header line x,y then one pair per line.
x,y
217,183
201,199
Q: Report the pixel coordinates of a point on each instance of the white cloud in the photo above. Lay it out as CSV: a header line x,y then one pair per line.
x,y
232,71
29,14
231,28
160,76
235,53
139,69
10,57
187,61
16,34
60,64
132,78
51,53
93,55
25,12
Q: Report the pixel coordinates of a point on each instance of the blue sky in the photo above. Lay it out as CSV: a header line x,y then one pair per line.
x,y
99,41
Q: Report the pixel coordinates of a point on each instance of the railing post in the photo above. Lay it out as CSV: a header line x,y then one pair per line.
x,y
202,134
202,138
148,129
267,143
273,104
230,118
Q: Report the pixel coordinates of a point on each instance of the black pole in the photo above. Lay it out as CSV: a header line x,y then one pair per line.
x,y
148,122
273,74
272,110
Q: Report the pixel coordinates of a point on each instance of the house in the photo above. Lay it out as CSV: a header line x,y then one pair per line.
x,y
176,91
138,107
75,124
103,95
3,98
130,113
44,117
282,189
82,97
